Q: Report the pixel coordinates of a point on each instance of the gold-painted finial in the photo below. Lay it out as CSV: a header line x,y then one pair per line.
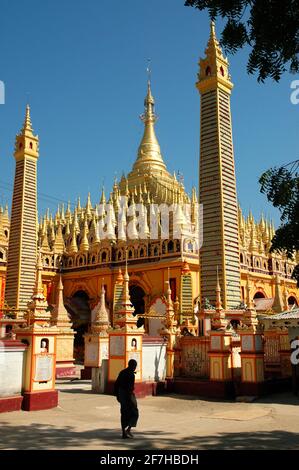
x,y
126,276
218,293
27,123
149,70
214,67
149,103
149,152
212,30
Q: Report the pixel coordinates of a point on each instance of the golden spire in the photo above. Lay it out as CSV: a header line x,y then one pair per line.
x,y
212,31
67,229
213,69
27,127
249,300
38,305
73,248
79,205
218,294
124,318
59,246
39,290
26,143
149,153
62,215
94,231
103,197
169,323
84,245
101,315
68,211
88,206
60,316
278,305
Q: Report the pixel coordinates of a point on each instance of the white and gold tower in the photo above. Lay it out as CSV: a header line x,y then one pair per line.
x,y
217,181
22,250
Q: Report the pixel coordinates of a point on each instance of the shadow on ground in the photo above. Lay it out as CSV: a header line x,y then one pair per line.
x,y
37,436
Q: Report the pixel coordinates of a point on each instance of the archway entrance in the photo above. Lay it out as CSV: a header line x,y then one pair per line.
x,y
79,309
259,295
292,302
137,295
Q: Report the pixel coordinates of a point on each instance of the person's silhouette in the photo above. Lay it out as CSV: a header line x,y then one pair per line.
x,y
124,391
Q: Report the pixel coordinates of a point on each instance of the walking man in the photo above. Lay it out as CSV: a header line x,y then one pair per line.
x,y
124,391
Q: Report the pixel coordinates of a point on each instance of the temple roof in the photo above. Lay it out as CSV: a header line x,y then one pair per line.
x,y
286,315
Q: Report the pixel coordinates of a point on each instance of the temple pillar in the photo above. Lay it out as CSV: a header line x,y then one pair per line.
x,y
12,358
285,354
220,356
40,364
252,361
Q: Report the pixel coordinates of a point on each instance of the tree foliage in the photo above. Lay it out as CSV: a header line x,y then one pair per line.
x,y
281,185
269,27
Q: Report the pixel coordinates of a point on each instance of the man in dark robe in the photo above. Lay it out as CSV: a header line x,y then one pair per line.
x,y
124,391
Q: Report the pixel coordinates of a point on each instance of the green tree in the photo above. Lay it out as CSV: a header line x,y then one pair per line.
x,y
281,185
269,27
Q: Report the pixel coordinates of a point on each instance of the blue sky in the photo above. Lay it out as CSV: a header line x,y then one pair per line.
x,y
82,67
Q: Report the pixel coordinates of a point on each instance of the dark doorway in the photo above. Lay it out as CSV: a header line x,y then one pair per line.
x,y
259,295
137,295
79,309
292,301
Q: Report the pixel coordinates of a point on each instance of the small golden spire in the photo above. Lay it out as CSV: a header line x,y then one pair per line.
x,y
149,152
60,316
103,197
59,246
218,294
126,276
27,127
100,315
212,30
84,245
68,211
38,288
278,305
88,207
73,248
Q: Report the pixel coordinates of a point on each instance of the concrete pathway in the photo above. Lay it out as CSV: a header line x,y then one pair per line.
x,y
84,420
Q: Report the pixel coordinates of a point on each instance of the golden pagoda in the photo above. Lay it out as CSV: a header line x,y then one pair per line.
x,y
88,244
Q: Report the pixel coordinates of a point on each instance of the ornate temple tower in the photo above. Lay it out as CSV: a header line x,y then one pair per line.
x,y
149,176
22,252
217,181
149,152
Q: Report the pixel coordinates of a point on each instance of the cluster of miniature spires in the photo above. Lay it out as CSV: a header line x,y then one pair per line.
x,y
256,236
80,231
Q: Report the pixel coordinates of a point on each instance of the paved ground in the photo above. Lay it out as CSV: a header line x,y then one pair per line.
x,y
85,420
